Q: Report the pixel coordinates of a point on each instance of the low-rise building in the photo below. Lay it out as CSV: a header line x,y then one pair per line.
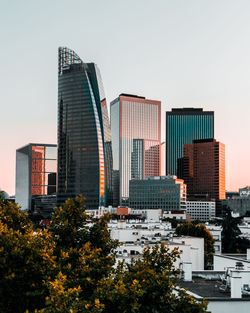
x,y
245,230
179,215
216,233
36,168
134,236
226,291
201,210
224,261
240,202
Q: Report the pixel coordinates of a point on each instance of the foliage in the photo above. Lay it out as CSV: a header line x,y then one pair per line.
x,y
230,236
147,285
3,195
174,222
13,217
70,268
26,261
199,230
83,249
69,224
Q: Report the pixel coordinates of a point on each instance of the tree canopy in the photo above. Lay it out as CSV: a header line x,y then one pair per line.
x,y
70,267
230,236
199,230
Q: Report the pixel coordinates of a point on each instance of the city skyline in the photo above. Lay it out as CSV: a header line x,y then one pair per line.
x,y
191,54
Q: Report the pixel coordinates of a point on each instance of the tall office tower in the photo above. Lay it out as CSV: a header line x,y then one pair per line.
x,y
204,169
182,127
84,138
144,158
163,159
137,159
36,166
136,135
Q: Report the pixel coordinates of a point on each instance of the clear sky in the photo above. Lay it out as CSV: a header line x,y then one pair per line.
x,y
186,53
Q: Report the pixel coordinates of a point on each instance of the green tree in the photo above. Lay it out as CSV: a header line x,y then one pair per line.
x,y
13,217
148,285
69,224
230,236
84,248
26,261
3,195
70,268
199,230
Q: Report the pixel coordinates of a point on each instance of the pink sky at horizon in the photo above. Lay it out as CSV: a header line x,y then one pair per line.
x,y
184,53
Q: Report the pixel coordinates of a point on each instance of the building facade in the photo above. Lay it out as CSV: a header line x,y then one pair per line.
x,y
182,127
240,201
36,166
204,169
201,210
136,139
84,137
160,192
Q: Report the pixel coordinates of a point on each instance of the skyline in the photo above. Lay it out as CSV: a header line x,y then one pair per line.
x,y
184,55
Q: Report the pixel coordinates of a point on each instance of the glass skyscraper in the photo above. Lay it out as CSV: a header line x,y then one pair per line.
x,y
136,139
84,137
182,127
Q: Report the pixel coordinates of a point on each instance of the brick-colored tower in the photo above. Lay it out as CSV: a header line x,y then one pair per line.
x,y
203,169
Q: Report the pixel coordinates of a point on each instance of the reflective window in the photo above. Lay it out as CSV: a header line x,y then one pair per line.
x,y
50,166
51,153
44,168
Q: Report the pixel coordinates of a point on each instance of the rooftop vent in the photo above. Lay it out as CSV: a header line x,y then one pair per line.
x,y
239,266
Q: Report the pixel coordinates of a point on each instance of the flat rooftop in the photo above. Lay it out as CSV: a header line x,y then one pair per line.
x,y
236,257
208,289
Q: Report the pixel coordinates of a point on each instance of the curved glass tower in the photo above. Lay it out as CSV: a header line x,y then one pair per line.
x,y
84,138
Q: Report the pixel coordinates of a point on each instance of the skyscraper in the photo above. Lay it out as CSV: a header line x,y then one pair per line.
x,y
182,127
144,158
136,139
36,166
204,174
84,138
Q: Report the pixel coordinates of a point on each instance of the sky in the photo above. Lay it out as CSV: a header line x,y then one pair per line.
x,y
186,53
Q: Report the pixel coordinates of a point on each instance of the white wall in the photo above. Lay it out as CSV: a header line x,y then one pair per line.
x,y
216,233
133,234
196,251
22,180
187,254
245,229
222,262
153,214
229,306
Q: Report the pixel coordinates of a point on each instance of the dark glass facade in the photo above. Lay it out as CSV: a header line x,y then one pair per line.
x,y
160,192
182,127
84,139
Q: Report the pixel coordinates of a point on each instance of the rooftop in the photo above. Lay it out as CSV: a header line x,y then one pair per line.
x,y
208,288
131,95
237,257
